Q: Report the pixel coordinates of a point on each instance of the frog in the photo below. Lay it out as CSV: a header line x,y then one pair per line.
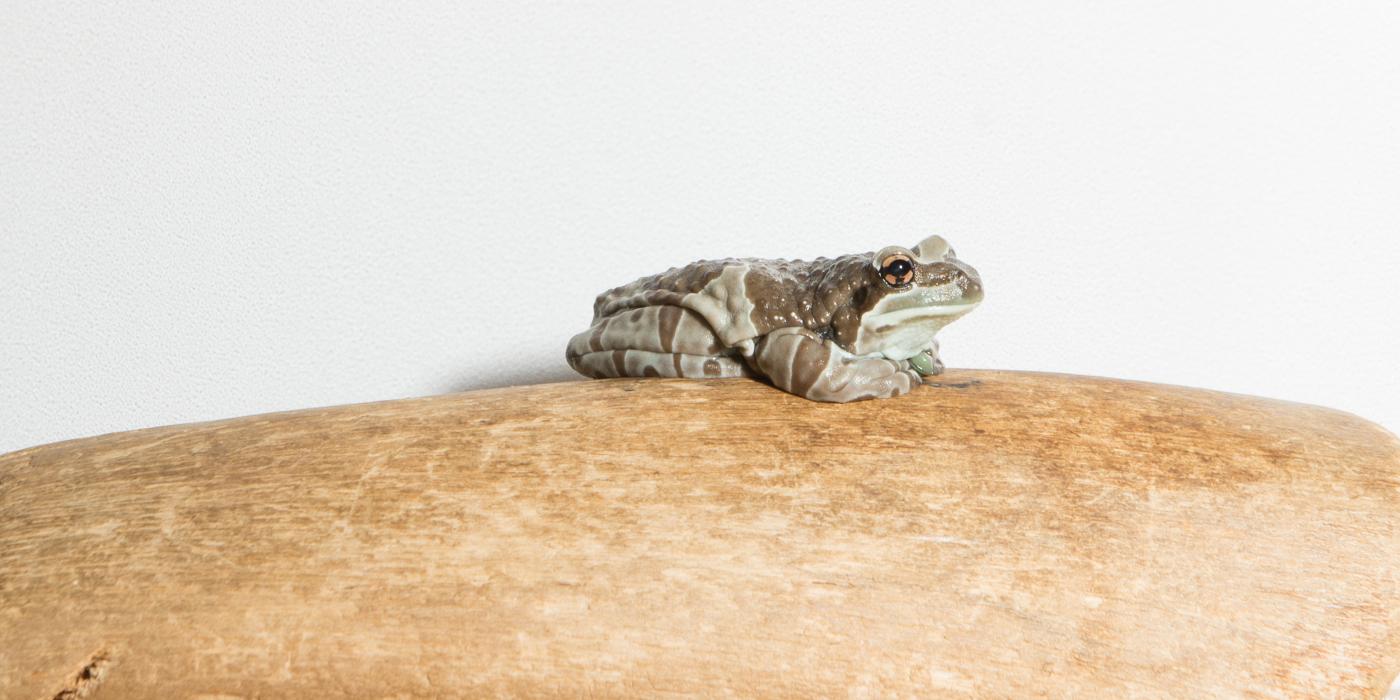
x,y
842,329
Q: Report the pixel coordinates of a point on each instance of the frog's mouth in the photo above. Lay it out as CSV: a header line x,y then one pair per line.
x,y
945,303
902,326
946,313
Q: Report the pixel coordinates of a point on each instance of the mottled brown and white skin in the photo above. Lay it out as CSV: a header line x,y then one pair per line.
x,y
833,329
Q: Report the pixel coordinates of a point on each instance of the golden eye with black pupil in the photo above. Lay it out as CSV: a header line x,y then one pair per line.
x,y
897,270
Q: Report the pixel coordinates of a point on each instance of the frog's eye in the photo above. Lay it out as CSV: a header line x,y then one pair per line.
x,y
897,270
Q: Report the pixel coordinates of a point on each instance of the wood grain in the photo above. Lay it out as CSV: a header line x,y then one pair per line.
x,y
999,535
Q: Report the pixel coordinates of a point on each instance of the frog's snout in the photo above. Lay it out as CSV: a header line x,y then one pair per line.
x,y
970,282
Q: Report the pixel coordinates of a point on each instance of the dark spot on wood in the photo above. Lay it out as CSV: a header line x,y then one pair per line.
x,y
954,385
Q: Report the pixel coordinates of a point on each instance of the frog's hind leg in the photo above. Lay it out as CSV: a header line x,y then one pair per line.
x,y
653,341
643,363
661,329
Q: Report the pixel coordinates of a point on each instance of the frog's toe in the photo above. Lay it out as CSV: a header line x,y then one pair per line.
x,y
926,363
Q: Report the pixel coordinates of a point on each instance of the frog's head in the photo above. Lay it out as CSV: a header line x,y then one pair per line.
x,y
914,293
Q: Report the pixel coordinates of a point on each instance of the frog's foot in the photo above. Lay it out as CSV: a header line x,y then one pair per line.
x,y
642,363
927,363
798,361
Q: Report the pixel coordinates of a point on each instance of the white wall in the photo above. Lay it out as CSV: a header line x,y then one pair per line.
x,y
209,210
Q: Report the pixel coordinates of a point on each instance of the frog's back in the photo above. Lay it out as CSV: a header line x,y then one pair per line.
x,y
668,287
740,298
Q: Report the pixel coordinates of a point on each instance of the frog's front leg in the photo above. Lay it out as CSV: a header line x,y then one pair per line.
x,y
798,361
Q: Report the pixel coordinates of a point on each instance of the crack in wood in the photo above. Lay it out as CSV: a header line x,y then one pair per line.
x,y
85,681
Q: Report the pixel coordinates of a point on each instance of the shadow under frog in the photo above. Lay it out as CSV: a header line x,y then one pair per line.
x,y
833,329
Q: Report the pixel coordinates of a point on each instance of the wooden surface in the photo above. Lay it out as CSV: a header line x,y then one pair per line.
x,y
1000,535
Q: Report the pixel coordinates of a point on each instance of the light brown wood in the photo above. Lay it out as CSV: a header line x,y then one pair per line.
x,y
1000,535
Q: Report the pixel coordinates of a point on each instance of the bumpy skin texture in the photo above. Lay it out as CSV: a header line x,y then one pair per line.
x,y
832,329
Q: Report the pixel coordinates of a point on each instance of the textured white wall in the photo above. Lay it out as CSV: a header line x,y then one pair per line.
x,y
213,209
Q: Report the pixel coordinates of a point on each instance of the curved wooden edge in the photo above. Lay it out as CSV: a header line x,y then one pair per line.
x,y
996,533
